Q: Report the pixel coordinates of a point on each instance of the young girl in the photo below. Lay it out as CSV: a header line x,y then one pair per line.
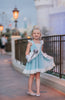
x,y
37,61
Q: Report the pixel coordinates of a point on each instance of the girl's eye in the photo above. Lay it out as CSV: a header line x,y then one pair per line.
x,y
36,33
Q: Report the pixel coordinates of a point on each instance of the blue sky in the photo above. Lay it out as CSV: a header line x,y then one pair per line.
x,y
26,7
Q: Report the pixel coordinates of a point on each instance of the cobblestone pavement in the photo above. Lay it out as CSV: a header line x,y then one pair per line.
x,y
14,85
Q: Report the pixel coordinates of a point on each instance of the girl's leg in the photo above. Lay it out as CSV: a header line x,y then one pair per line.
x,y
30,83
38,83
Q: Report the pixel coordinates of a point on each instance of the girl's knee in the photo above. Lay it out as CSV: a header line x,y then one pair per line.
x,y
38,75
32,76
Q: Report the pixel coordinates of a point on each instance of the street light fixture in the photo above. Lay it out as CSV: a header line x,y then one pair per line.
x,y
1,28
28,37
15,16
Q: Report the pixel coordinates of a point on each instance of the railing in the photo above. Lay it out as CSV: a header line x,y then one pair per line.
x,y
8,47
53,46
20,48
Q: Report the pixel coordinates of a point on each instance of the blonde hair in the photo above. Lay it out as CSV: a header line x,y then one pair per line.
x,y
35,28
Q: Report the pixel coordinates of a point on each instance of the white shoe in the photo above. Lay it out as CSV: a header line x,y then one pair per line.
x,y
38,95
32,94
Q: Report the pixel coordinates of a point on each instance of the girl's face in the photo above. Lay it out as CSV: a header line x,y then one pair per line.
x,y
36,34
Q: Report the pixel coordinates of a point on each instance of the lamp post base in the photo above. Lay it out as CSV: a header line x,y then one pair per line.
x,y
15,23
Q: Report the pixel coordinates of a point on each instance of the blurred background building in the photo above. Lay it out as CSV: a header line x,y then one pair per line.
x,y
51,16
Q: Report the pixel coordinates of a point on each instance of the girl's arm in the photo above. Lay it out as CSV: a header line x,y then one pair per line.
x,y
28,48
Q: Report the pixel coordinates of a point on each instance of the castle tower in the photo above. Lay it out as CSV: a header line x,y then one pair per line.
x,y
58,3
61,3
43,7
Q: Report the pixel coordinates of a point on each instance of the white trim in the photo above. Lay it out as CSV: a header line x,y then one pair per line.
x,y
38,70
47,56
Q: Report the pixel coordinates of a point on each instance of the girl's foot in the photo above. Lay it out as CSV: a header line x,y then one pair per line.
x,y
32,94
38,94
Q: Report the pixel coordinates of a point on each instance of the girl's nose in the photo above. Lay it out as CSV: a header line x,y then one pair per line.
x,y
36,33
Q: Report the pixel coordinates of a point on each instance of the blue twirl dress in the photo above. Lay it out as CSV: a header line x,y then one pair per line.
x,y
39,62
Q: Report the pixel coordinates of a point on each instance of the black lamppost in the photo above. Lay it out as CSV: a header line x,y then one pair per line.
x,y
1,28
15,16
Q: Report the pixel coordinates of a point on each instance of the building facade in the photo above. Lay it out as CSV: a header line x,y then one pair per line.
x,y
51,14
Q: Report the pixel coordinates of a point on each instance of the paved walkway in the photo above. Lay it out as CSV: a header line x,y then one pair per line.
x,y
13,85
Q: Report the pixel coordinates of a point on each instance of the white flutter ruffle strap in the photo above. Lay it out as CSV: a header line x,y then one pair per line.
x,y
42,42
30,41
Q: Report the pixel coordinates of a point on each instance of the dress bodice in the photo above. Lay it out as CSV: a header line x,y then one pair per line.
x,y
36,45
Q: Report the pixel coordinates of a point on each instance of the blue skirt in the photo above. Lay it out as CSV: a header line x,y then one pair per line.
x,y
39,64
